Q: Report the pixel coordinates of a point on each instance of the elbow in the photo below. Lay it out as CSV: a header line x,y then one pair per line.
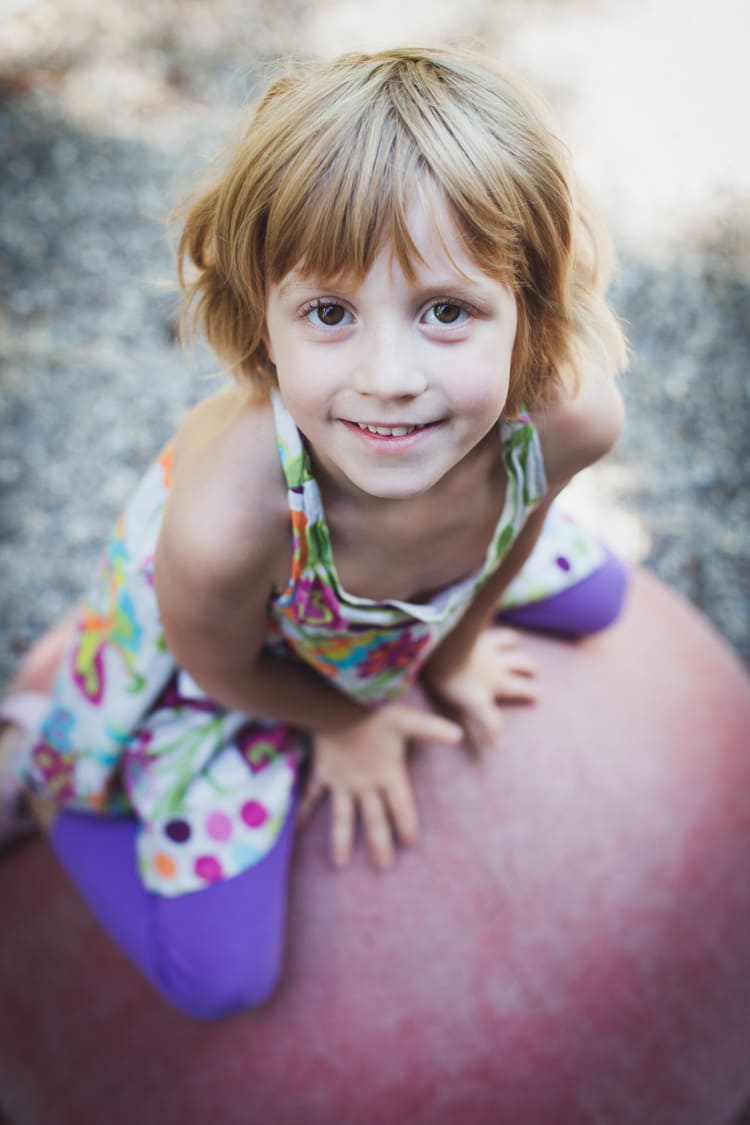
x,y
606,423
594,421
582,431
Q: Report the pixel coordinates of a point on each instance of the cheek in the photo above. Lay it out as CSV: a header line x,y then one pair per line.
x,y
485,379
280,348
303,382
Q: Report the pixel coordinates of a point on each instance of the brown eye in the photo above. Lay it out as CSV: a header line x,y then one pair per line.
x,y
330,314
446,313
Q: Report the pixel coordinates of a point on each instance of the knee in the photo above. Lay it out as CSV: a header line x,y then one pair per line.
x,y
212,984
590,606
606,590
219,951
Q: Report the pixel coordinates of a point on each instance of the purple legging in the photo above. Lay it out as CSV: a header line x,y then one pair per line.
x,y
212,952
219,950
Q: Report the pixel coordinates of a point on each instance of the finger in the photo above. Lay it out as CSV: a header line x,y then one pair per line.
x,y
378,831
342,826
516,689
399,797
431,728
503,637
522,664
505,640
314,791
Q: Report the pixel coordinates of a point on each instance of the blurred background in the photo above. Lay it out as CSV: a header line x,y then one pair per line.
x,y
112,110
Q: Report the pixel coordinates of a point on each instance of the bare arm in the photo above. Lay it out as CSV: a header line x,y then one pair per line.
x,y
574,434
459,643
226,659
223,547
577,432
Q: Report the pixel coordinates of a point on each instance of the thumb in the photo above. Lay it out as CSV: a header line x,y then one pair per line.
x,y
431,728
486,728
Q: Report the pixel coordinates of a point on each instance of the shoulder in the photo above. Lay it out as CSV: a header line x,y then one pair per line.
x,y
579,430
226,513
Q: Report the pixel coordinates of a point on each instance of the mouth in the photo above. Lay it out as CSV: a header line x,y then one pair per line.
x,y
392,431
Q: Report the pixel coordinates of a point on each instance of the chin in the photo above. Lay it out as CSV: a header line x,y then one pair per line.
x,y
397,489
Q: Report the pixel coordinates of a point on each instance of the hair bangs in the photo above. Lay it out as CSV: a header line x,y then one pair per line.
x,y
351,196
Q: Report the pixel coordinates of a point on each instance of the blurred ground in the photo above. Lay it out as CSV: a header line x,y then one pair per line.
x,y
110,109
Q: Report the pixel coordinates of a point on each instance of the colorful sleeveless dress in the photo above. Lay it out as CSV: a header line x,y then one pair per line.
x,y
129,732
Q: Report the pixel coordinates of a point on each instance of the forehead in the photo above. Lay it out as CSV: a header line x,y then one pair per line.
x,y
437,239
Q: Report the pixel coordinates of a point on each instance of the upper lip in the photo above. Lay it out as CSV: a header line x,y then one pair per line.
x,y
388,425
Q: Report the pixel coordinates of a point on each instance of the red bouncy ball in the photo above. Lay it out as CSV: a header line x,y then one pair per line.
x,y
569,942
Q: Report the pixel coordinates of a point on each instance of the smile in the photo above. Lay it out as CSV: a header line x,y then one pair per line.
x,y
389,431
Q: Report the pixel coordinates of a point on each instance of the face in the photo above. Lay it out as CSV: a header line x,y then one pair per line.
x,y
395,382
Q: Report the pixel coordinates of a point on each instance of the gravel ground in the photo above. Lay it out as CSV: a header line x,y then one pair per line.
x,y
108,112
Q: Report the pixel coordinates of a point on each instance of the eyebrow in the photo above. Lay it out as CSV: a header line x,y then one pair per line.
x,y
448,285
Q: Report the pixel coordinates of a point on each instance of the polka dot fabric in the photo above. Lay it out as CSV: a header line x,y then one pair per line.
x,y
219,833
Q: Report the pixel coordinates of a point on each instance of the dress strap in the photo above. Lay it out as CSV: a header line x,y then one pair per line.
x,y
524,463
294,458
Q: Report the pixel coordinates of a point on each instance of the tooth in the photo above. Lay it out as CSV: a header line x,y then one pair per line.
x,y
388,431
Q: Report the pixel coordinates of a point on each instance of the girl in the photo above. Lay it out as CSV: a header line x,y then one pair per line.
x,y
395,267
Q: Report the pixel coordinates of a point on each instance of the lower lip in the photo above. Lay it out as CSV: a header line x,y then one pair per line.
x,y
381,443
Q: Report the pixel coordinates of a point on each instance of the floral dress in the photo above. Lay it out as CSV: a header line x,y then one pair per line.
x,y
129,732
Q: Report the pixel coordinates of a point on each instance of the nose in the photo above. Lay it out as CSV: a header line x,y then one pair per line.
x,y
388,367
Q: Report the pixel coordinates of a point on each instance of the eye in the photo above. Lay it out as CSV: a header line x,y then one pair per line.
x,y
328,313
446,313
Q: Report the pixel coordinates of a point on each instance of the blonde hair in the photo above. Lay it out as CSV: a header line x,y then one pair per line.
x,y
324,175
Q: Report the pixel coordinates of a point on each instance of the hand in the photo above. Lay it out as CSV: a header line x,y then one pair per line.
x,y
494,671
363,769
